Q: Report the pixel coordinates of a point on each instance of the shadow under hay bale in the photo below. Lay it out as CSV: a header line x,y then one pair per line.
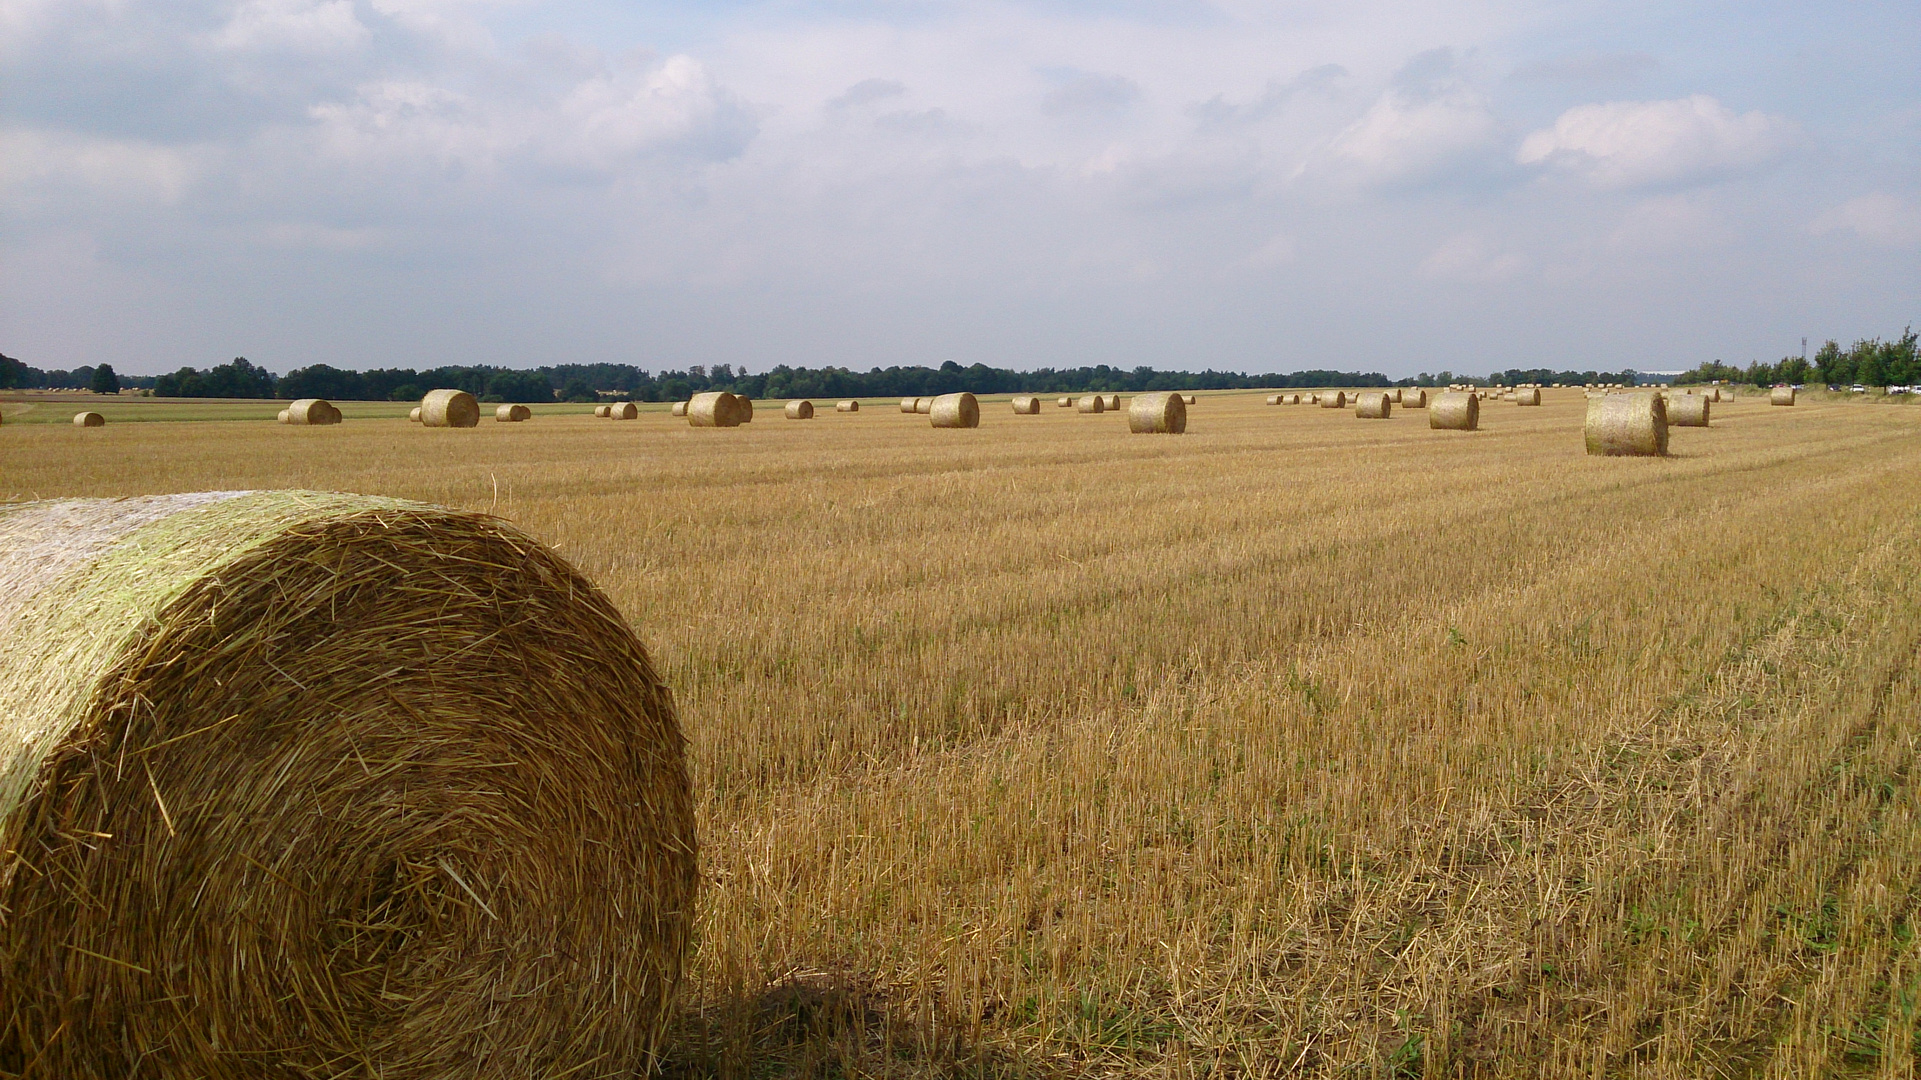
x,y
361,780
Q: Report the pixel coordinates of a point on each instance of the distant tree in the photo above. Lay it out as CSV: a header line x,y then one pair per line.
x,y
515,385
104,380
406,392
578,390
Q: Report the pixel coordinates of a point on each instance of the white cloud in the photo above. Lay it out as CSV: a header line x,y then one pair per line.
x,y
1634,143
56,163
1467,257
1402,140
1877,217
294,25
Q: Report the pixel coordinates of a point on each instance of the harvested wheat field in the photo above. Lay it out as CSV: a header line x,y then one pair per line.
x,y
1040,749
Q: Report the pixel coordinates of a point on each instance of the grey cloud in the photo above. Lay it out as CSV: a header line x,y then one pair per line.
x,y
868,91
1218,111
1596,68
923,122
1091,95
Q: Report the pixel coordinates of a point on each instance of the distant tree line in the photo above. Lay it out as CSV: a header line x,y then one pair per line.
x,y
1869,362
15,375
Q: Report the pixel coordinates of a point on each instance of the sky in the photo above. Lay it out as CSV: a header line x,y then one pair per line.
x,y
1359,185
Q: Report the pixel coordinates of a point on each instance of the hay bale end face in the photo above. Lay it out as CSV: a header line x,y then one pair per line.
x,y
1688,410
743,408
1627,425
712,409
1026,405
449,408
1781,395
1336,399
1157,414
1373,407
526,823
1091,403
847,406
800,410
89,419
1456,410
679,409
1527,396
954,411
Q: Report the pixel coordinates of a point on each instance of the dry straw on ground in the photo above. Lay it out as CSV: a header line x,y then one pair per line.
x,y
318,785
1157,414
1373,406
1026,405
1781,395
849,405
512,414
800,410
1627,425
449,408
1456,410
1091,403
89,419
1333,399
1527,396
1688,410
715,408
312,411
954,411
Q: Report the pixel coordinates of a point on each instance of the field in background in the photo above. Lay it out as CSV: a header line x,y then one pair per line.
x,y
1296,744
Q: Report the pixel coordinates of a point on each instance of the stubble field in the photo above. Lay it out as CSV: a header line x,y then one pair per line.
x,y
1298,744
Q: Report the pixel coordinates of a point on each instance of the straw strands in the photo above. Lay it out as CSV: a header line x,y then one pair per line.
x,y
1781,395
1157,414
1026,405
954,411
89,419
1456,410
1688,410
310,780
1373,406
449,408
1627,425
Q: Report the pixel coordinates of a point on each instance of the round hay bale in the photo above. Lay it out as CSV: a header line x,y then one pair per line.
x,y
1091,403
284,414
1687,410
800,410
624,410
923,405
1273,399
312,412
358,780
413,415
679,409
1373,406
1627,425
605,412
1111,403
1188,399
1456,410
1157,414
1335,400
1063,403
907,404
449,408
1026,405
712,409
954,411
89,419
1527,396
743,408
1781,395
847,406
1394,395
1414,398
511,414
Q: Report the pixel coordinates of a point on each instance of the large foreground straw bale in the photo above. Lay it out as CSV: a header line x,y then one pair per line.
x,y
304,785
1414,398
1373,406
512,414
1336,399
1627,425
715,408
449,408
624,410
1026,405
312,411
1091,403
954,411
1781,395
800,410
1688,410
1527,395
1157,414
1456,410
89,419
